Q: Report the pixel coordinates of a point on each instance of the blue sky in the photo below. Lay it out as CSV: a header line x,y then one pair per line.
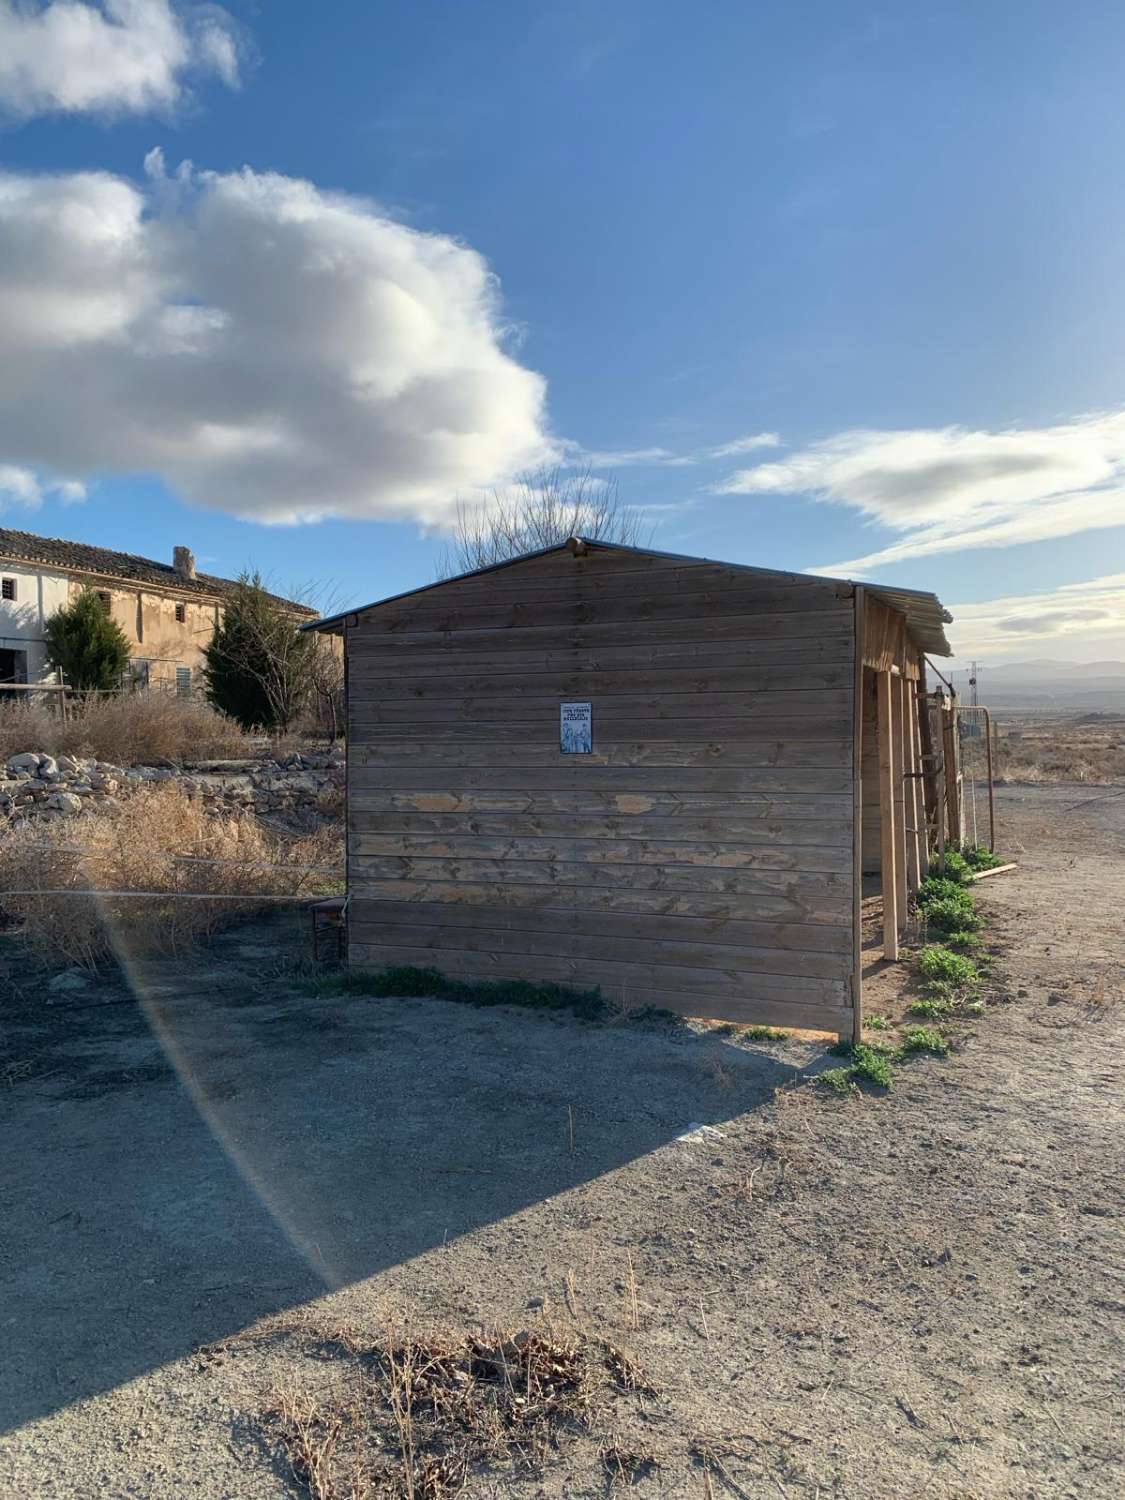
x,y
882,242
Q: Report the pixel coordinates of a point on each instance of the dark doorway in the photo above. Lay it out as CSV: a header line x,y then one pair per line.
x,y
13,668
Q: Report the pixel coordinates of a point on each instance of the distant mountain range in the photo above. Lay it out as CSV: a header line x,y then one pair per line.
x,y
1046,684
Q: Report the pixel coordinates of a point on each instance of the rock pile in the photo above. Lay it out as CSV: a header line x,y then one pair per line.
x,y
37,785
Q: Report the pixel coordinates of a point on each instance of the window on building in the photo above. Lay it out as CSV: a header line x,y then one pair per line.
x,y
183,681
7,588
103,595
181,613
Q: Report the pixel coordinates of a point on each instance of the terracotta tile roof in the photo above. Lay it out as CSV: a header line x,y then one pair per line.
x,y
81,557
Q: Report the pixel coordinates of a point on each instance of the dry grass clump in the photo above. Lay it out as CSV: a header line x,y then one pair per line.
x,y
424,1411
157,841
26,726
123,730
1089,747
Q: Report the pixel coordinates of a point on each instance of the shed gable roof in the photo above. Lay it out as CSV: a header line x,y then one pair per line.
x,y
926,616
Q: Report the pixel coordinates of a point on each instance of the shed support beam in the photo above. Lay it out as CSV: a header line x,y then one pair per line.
x,y
860,606
884,723
922,818
911,786
898,741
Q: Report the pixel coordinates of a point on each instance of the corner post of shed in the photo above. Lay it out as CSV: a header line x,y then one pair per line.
x,y
885,719
860,608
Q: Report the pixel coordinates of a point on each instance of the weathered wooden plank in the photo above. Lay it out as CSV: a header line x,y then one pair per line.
x,y
611,974
369,878
888,879
618,725
722,855
820,895
428,612
798,938
751,832
749,1005
572,770
717,965
726,684
453,711
643,805
543,585
600,561
502,753
395,653
716,628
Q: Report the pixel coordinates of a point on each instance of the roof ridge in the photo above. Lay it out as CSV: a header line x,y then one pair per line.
x,y
132,567
913,603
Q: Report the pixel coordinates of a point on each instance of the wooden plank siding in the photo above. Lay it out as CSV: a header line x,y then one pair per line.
x,y
701,859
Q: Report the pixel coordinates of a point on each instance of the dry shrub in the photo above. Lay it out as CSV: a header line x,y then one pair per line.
x,y
26,726
1085,748
156,841
123,729
423,1411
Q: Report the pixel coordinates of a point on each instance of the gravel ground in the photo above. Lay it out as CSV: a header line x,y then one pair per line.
x,y
913,1294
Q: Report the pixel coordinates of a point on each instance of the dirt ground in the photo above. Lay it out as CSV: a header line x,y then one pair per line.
x,y
913,1294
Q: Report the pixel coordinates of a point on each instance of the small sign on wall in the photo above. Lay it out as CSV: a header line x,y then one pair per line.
x,y
576,734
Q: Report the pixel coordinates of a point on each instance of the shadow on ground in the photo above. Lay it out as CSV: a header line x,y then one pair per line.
x,y
189,1154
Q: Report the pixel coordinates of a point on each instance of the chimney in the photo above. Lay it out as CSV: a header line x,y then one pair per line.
x,y
183,560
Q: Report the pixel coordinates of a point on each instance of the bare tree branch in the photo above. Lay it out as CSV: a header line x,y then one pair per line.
x,y
542,509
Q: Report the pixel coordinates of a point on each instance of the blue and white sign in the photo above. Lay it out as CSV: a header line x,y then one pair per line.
x,y
576,734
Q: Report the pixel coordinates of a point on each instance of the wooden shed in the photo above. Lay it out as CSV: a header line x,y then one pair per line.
x,y
661,775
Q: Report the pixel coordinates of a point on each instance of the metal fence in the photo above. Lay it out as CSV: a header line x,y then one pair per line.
x,y
973,726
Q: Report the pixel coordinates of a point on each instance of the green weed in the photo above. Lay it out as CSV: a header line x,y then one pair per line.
x,y
940,965
965,942
954,866
873,1064
931,1009
924,1039
977,857
870,1061
760,1034
952,915
837,1079
937,888
877,1023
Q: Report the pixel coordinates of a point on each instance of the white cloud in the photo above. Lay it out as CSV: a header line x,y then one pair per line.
x,y
626,458
114,58
25,487
749,444
266,348
949,489
1082,613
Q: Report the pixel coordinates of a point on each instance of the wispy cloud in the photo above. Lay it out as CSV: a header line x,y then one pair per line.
x,y
25,487
1087,611
951,488
664,507
115,58
628,458
665,458
749,444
